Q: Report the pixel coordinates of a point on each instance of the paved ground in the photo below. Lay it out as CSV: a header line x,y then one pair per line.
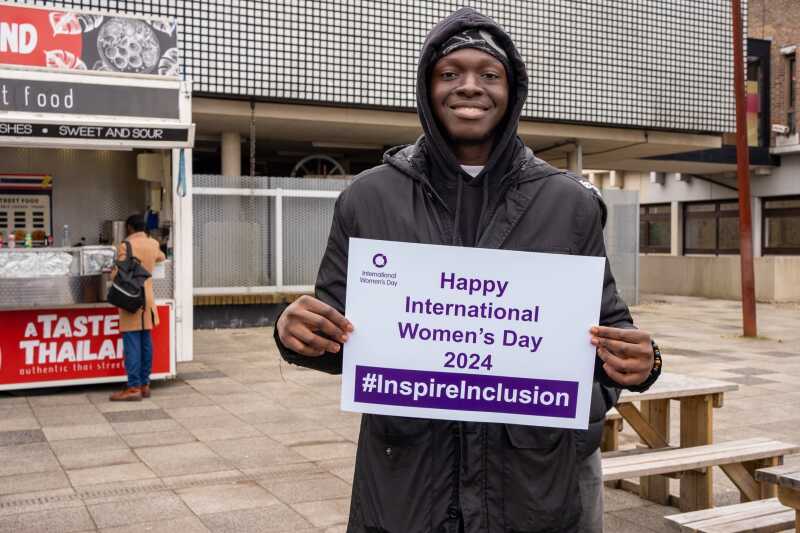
x,y
241,442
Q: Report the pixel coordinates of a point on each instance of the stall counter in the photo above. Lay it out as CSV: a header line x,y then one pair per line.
x,y
74,345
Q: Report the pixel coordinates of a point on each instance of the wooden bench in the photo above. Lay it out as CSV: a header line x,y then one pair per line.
x,y
763,516
698,397
738,459
611,431
787,479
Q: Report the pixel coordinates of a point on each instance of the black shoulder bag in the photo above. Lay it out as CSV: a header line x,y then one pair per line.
x,y
127,288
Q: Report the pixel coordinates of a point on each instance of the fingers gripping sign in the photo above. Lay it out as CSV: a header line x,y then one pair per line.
x,y
311,327
627,354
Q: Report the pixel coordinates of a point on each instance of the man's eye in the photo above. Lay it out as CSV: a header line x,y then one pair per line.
x,y
491,76
448,75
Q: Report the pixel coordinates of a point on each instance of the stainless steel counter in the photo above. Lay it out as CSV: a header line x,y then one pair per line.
x,y
48,277
48,262
50,291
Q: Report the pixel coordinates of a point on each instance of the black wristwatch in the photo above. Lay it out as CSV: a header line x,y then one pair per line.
x,y
654,373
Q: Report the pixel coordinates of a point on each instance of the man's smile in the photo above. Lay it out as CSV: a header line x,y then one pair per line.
x,y
469,111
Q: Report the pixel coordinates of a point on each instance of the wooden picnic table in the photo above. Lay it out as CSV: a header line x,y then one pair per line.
x,y
787,478
698,397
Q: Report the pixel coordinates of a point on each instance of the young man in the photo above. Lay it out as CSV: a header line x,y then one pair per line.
x,y
135,327
470,181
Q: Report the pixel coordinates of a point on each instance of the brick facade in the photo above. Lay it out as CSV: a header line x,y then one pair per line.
x,y
778,21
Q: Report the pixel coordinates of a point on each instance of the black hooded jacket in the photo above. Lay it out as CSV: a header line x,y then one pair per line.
x,y
417,475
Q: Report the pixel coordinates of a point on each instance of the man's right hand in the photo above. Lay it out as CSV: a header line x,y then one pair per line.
x,y
311,327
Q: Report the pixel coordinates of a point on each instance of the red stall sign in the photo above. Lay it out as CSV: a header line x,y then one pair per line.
x,y
46,347
56,38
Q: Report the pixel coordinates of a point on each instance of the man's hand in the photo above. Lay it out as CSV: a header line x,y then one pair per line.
x,y
311,327
627,353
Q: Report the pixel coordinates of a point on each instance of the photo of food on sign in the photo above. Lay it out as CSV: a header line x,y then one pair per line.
x,y
81,41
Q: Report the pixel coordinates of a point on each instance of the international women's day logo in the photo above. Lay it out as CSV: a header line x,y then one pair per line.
x,y
379,276
379,260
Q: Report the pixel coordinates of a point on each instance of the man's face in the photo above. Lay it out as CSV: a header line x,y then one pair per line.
x,y
469,95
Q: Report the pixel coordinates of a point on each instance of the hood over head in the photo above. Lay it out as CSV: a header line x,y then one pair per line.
x,y
444,39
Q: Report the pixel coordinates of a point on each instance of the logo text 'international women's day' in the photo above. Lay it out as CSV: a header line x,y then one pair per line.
x,y
379,260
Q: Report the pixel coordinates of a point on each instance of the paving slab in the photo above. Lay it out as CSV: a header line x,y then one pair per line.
x,y
159,438
90,458
226,432
131,511
19,423
274,518
105,406
112,442
178,459
24,436
137,415
22,483
109,474
228,497
27,459
51,521
304,438
321,487
324,513
48,399
320,452
255,452
81,431
146,426
189,524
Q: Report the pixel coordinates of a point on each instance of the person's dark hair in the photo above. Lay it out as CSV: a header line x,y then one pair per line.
x,y
136,222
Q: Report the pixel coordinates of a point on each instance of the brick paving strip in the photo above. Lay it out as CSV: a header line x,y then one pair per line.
x,y
243,442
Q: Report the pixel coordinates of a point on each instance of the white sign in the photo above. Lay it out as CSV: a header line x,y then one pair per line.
x,y
470,334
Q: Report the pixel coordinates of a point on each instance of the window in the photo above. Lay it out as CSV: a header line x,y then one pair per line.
x,y
654,228
781,226
791,92
711,228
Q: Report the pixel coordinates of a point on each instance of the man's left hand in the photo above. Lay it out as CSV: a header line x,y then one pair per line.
x,y
627,354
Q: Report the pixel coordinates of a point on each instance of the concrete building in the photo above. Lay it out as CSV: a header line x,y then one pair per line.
x,y
689,213
322,88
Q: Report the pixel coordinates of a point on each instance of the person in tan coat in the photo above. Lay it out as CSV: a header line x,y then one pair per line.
x,y
136,327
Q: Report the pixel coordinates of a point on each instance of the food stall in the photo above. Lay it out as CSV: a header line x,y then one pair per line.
x,y
95,125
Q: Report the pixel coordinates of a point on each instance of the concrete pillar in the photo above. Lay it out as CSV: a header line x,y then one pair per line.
x,y
756,207
676,229
575,159
231,153
616,179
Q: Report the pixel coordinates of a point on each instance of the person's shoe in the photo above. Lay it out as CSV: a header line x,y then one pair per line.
x,y
131,394
145,391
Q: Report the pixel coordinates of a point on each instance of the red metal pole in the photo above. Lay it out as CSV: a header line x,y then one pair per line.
x,y
743,178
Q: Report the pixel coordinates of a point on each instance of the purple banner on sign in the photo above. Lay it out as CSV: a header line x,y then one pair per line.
x,y
466,392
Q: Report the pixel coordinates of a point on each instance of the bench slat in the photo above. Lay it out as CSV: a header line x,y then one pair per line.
x,y
786,475
684,459
676,386
690,451
763,524
715,512
687,454
635,451
763,516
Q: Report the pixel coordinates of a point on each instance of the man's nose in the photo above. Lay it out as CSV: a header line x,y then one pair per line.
x,y
471,85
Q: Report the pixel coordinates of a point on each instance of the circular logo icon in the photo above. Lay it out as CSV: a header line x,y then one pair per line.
x,y
379,260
